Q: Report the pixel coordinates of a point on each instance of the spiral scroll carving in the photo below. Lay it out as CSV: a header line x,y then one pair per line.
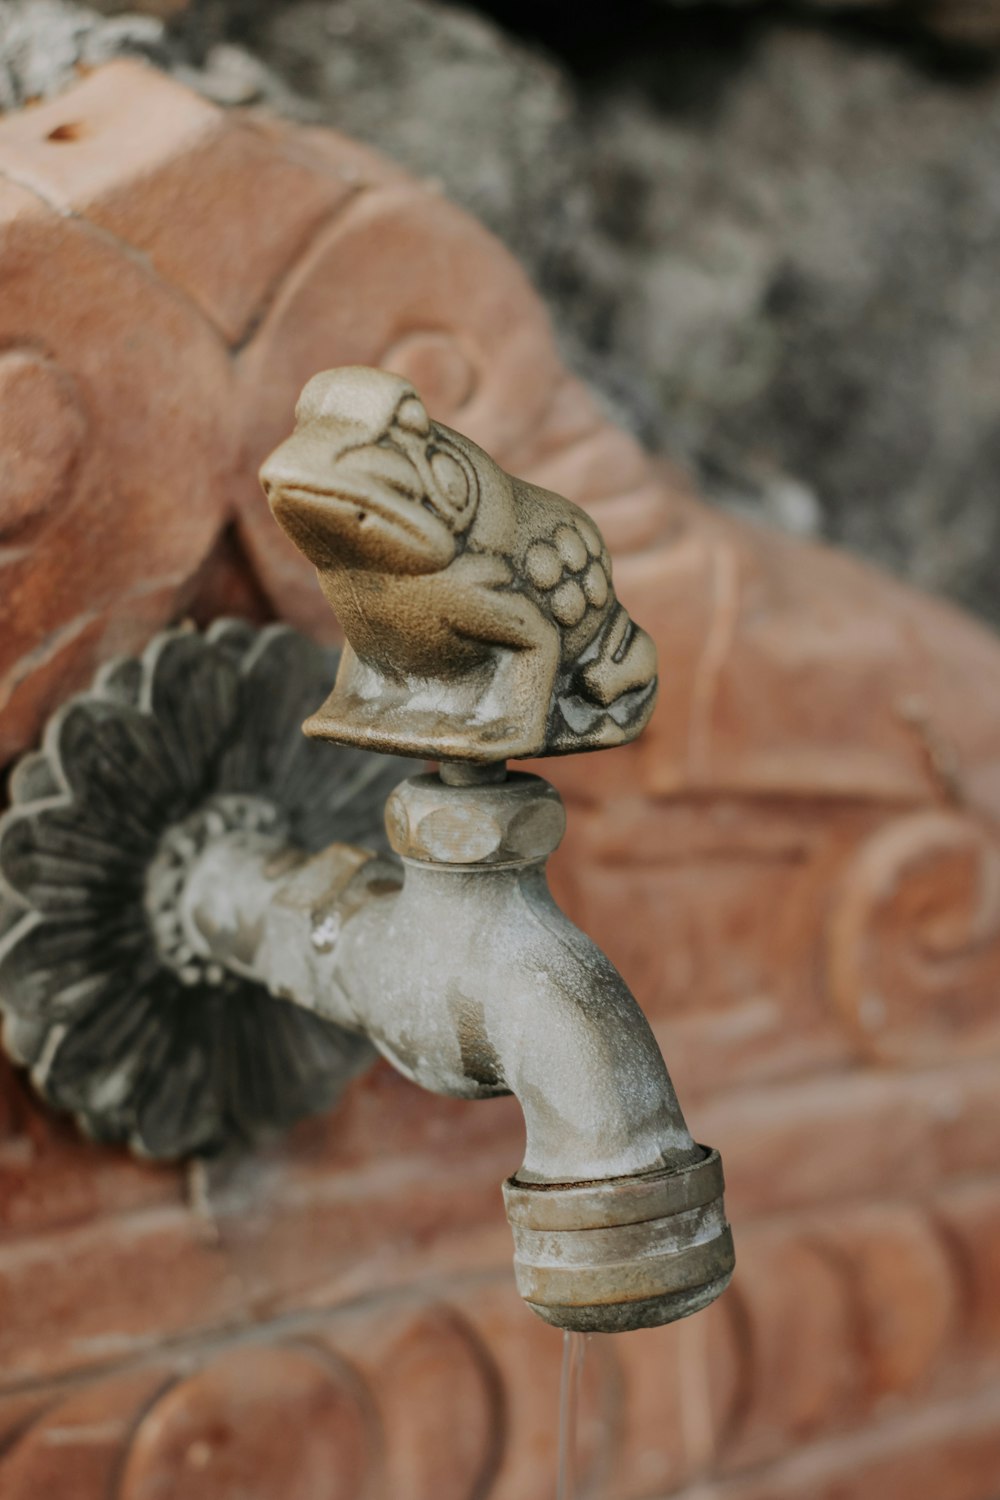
x,y
913,941
41,402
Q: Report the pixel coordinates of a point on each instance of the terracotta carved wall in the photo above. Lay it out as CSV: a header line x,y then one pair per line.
x,y
797,869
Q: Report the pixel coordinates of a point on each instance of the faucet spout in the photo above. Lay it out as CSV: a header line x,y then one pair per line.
x,y
470,980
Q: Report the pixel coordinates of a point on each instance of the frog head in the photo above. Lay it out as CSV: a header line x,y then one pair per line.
x,y
367,480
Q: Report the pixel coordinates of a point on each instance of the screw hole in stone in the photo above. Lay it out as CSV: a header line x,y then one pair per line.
x,y
72,130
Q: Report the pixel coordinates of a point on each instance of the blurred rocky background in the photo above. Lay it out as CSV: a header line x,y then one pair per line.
x,y
770,239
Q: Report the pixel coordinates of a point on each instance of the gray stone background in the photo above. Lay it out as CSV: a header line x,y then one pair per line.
x,y
770,240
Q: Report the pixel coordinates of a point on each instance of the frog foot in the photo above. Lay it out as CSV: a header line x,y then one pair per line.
x,y
610,691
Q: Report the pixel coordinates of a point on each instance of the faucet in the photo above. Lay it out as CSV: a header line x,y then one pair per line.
x,y
186,958
481,626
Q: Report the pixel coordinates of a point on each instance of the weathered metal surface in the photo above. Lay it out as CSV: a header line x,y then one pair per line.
x,y
479,611
473,983
513,821
631,1252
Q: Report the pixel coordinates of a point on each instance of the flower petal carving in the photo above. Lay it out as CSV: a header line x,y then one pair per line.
x,y
138,1050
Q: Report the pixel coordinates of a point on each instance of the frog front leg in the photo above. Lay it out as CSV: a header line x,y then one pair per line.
x,y
483,605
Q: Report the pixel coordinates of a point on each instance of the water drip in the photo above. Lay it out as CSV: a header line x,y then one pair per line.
x,y
574,1354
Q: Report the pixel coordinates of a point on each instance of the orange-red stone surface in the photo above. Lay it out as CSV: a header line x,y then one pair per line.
x,y
797,868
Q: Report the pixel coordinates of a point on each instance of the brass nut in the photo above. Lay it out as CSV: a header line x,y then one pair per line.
x,y
517,821
623,1253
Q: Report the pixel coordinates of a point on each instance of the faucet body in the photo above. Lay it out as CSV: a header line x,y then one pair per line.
x,y
481,625
465,974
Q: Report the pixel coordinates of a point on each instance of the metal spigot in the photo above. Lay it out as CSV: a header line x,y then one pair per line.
x,y
482,623
203,936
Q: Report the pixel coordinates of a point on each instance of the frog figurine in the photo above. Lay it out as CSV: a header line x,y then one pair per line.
x,y
480,616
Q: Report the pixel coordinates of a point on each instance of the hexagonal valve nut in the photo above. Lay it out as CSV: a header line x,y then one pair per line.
x,y
514,822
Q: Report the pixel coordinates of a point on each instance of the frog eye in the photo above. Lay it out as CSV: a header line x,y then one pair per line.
x,y
412,417
451,480
456,485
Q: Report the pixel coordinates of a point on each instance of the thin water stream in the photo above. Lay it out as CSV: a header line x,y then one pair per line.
x,y
574,1354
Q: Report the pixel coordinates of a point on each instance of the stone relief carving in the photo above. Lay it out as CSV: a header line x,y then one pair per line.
x,y
914,940
789,839
411,1393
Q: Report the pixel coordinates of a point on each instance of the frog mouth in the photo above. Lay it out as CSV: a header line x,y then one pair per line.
x,y
368,519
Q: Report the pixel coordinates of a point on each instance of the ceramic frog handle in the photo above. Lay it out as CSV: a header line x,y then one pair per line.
x,y
479,611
